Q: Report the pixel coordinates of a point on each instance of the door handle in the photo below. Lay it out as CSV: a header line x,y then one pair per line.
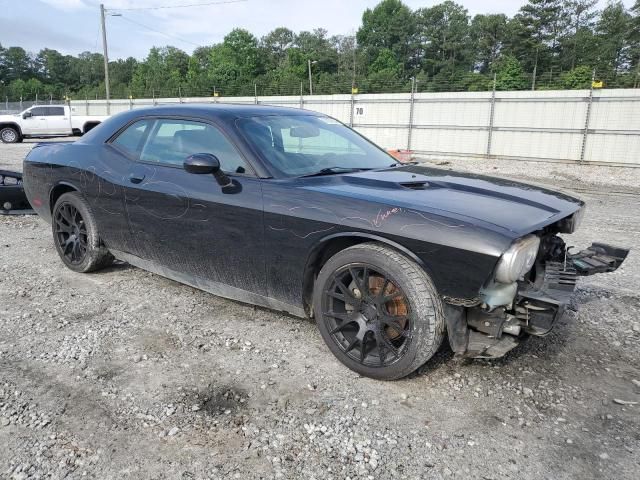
x,y
136,177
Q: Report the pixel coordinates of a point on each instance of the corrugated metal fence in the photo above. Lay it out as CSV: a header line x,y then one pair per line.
x,y
590,126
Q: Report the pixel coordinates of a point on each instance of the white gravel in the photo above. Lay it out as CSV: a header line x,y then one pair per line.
x,y
124,374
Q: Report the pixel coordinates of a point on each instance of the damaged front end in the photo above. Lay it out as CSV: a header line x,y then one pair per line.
x,y
528,292
13,200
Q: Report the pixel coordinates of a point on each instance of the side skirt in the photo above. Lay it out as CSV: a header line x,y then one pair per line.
x,y
216,288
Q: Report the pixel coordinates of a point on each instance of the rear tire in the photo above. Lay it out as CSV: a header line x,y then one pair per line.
x,y
10,135
378,311
75,235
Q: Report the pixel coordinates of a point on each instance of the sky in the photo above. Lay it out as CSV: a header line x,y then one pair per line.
x,y
73,26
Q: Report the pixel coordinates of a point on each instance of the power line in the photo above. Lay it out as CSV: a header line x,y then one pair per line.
x,y
162,7
160,32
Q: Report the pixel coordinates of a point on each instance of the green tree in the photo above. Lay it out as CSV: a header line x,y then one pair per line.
x,y
389,25
576,78
534,35
443,37
488,34
16,64
612,31
510,75
235,63
634,41
161,73
578,40
275,45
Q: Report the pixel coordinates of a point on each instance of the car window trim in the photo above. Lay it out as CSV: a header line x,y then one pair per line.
x,y
137,159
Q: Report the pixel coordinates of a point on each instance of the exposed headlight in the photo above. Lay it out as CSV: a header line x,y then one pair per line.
x,y
518,260
571,224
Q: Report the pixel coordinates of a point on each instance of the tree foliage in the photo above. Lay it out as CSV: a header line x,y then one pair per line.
x,y
546,44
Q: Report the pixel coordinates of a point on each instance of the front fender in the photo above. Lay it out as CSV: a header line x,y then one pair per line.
x,y
13,125
455,272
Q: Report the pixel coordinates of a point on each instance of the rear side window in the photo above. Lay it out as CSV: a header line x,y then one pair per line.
x,y
55,111
132,138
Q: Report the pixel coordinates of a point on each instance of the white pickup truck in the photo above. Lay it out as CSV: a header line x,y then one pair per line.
x,y
45,121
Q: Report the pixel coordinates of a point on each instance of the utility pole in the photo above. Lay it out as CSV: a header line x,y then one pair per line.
x,y
310,81
535,71
106,56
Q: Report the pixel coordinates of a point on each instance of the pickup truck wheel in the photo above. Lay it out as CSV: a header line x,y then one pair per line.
x,y
378,311
76,237
10,135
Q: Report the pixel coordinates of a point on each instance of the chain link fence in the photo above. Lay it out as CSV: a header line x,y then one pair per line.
x,y
8,107
599,126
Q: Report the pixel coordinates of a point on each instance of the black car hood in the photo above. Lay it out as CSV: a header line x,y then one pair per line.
x,y
512,206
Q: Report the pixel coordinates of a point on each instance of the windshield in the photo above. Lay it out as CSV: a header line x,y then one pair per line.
x,y
298,145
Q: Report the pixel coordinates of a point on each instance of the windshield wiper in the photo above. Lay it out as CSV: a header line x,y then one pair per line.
x,y
333,171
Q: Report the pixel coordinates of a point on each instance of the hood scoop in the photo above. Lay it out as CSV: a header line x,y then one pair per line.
x,y
419,185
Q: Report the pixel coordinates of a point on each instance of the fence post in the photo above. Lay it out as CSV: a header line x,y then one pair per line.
x,y
153,95
587,119
130,101
36,98
301,97
20,102
491,116
353,104
6,102
255,93
86,105
411,106
179,94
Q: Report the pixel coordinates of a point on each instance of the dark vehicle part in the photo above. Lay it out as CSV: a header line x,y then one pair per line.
x,y
10,134
598,258
75,235
378,311
207,164
487,247
538,301
13,200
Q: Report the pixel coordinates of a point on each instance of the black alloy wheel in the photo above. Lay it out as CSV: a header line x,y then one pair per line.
x,y
76,236
367,315
71,233
378,311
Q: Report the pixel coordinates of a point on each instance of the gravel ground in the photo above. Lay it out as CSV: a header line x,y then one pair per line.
x,y
124,374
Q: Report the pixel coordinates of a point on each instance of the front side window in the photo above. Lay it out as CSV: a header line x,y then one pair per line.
x,y
38,111
171,141
298,145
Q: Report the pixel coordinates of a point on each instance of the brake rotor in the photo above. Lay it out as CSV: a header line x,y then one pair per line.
x,y
397,306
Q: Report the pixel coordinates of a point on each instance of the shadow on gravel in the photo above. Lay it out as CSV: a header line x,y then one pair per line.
x,y
117,266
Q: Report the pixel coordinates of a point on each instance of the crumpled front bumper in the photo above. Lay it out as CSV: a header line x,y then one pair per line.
x,y
481,333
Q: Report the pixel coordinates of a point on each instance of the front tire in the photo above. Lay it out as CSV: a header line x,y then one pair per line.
x,y
10,135
378,311
75,235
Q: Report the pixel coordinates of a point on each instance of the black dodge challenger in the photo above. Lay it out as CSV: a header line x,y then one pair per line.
x,y
291,210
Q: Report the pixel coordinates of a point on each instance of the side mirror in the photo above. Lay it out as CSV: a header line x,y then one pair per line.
x,y
26,115
206,163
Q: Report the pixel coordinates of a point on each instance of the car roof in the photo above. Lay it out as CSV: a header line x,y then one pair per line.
x,y
232,110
